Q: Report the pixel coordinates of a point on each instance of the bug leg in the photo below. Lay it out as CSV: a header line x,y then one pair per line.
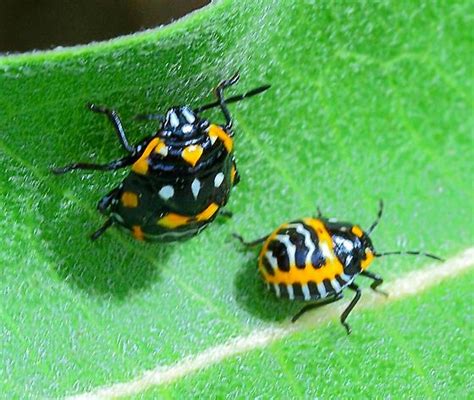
x,y
320,214
117,124
111,166
312,306
102,229
377,281
252,243
351,305
220,97
106,201
226,214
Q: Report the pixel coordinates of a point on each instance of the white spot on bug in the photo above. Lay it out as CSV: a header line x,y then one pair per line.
x,y
335,285
277,289
291,293
307,240
166,192
290,247
326,251
163,151
218,179
322,290
306,294
174,120
188,115
345,277
213,139
272,260
349,260
187,128
196,187
344,243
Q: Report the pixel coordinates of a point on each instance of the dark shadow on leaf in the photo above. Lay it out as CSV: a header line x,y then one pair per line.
x,y
115,265
253,296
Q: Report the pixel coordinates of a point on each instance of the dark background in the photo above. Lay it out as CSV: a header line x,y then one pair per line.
x,y
43,24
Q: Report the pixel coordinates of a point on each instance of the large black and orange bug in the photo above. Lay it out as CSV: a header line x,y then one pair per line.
x,y
180,177
315,259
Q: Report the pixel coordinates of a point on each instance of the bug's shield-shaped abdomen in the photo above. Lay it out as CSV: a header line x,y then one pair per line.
x,y
179,192
298,262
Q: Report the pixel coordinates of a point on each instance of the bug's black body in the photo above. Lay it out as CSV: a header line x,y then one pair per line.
x,y
181,214
180,177
315,259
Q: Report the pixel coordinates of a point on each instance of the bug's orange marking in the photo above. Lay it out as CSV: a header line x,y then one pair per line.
x,y
208,212
137,232
216,131
141,165
192,154
331,268
368,260
173,220
233,172
129,199
357,231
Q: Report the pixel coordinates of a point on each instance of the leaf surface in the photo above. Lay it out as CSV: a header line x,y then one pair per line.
x,y
368,101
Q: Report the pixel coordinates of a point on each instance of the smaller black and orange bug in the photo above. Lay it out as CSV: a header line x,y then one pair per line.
x,y
315,259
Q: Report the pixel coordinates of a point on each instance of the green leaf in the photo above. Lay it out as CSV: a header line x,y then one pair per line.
x,y
368,100
390,354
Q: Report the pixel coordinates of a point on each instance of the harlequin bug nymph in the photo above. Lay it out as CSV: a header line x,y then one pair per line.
x,y
180,177
317,258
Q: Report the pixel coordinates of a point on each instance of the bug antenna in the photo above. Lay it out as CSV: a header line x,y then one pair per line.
x,y
379,216
150,117
408,253
233,99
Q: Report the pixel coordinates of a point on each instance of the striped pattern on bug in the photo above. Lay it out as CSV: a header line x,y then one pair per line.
x,y
301,260
314,259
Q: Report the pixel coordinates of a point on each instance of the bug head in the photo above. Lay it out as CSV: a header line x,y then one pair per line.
x,y
361,246
365,251
182,123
